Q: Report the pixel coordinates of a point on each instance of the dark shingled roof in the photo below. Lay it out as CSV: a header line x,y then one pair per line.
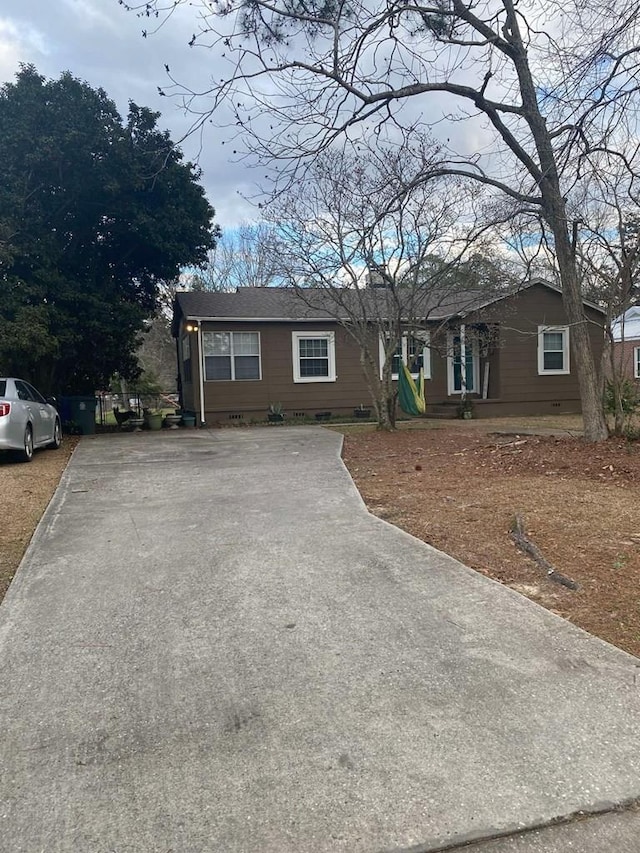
x,y
285,303
259,303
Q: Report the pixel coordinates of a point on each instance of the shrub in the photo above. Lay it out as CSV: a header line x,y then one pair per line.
x,y
629,397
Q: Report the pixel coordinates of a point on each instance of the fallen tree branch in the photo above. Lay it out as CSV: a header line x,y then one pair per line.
x,y
501,444
523,542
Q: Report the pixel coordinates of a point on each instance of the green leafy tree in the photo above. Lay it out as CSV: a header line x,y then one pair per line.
x,y
94,215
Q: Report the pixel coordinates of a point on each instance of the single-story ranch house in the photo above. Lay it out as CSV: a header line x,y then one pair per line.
x,y
240,352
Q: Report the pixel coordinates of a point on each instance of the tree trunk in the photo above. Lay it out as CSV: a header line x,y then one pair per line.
x,y
383,398
595,425
382,409
124,391
554,211
615,386
619,421
388,396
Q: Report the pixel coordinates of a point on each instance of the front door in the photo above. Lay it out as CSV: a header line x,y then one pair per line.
x,y
455,365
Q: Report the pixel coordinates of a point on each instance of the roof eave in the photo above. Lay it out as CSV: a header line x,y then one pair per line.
x,y
224,319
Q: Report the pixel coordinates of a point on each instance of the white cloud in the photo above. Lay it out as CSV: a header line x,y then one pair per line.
x,y
98,41
88,15
19,40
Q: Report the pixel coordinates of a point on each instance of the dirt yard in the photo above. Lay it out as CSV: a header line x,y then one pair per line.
x,y
26,490
458,487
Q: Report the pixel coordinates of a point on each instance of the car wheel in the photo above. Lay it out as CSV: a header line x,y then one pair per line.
x,y
57,436
26,454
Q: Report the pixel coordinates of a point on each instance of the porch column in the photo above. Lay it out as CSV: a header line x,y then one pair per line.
x,y
463,361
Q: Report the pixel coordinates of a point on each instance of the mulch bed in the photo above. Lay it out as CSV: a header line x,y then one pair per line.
x,y
461,489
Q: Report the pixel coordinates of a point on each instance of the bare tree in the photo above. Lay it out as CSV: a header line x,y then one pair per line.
x,y
532,89
246,256
381,254
608,249
157,353
242,257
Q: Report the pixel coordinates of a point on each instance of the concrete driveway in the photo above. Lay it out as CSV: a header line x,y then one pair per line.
x,y
212,646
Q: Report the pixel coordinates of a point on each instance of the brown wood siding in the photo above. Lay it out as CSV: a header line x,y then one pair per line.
x,y
252,397
435,389
519,318
188,397
494,360
514,383
189,388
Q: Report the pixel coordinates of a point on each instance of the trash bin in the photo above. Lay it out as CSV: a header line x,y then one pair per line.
x,y
81,411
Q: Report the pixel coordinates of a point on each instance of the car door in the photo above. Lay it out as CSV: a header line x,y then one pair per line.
x,y
33,409
47,413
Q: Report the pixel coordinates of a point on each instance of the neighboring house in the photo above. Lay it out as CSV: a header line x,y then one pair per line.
x,y
239,352
626,346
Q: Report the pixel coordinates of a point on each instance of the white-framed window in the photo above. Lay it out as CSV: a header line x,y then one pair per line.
x,y
231,356
636,362
553,350
314,356
413,349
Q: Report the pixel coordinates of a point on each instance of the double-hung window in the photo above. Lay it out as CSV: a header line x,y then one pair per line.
x,y
414,351
314,356
231,355
553,350
636,362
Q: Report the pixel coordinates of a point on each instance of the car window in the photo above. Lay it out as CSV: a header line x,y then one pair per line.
x,y
3,387
22,390
35,395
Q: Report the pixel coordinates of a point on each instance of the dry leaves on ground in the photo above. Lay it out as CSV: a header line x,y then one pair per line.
x,y
26,490
460,489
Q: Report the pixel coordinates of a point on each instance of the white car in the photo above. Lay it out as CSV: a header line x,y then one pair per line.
x,y
27,420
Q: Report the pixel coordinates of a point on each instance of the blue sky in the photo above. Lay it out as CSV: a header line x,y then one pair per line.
x,y
98,41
